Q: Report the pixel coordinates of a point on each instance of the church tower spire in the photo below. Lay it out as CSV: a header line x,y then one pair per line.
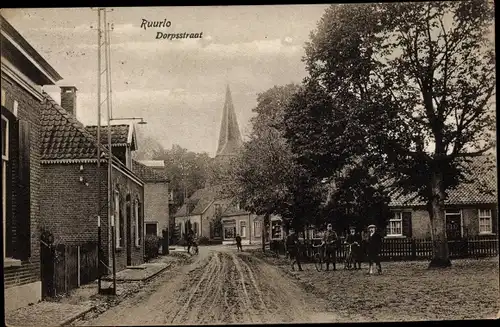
x,y
230,137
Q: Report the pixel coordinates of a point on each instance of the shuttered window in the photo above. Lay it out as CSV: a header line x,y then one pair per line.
x,y
257,228
136,219
140,217
5,164
16,198
117,220
400,224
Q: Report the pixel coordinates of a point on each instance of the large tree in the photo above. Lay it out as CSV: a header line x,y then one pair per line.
x,y
188,171
409,87
267,178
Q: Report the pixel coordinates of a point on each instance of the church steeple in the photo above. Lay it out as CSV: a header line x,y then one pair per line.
x,y
229,137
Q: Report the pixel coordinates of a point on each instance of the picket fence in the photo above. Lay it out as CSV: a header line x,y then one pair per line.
x,y
407,248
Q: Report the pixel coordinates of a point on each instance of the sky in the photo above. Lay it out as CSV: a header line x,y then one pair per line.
x,y
177,86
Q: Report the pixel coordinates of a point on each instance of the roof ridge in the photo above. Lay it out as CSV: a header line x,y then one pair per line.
x,y
150,170
73,121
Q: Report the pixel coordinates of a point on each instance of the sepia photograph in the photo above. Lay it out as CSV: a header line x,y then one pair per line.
x,y
258,164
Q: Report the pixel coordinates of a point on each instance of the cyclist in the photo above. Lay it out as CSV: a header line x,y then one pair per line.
x,y
329,243
292,246
354,241
190,239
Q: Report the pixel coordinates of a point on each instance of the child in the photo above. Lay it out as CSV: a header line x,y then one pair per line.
x,y
354,240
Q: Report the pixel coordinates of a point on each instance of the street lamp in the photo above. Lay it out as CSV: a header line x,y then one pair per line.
x,y
142,122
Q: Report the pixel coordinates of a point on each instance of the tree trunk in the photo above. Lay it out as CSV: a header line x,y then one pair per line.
x,y
440,253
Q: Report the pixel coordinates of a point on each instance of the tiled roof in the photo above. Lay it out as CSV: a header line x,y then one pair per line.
x,y
147,174
200,200
481,186
233,210
119,134
63,136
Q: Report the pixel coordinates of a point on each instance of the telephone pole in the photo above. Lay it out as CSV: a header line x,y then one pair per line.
x,y
102,23
99,259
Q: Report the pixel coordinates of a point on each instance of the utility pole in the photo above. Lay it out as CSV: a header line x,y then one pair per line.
x,y
110,155
99,269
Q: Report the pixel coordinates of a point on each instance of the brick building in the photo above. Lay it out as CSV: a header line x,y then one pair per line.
x,y
24,72
156,198
71,197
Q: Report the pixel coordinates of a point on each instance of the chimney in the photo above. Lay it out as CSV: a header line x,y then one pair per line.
x,y
68,99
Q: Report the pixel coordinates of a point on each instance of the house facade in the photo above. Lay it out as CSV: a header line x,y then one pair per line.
x,y
24,73
72,197
201,212
156,198
471,209
236,221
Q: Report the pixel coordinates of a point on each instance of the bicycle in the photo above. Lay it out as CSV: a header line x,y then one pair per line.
x,y
349,258
318,257
195,248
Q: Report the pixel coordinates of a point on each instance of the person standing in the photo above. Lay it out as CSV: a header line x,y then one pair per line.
x,y
353,239
374,245
190,239
293,249
330,243
238,243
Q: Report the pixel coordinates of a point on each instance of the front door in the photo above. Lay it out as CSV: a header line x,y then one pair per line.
x,y
129,235
453,224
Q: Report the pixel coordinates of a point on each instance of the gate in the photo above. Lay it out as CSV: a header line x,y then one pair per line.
x,y
47,263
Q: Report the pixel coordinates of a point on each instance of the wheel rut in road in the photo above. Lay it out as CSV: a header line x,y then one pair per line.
x,y
222,286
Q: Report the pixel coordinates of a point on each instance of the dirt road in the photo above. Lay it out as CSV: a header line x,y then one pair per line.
x,y
220,286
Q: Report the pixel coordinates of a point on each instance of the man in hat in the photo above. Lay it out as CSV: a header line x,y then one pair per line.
x,y
374,244
330,245
292,246
353,239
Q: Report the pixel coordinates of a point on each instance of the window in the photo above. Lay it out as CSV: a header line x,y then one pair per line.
x,y
257,228
16,105
229,229
395,226
137,223
151,228
195,229
485,221
243,228
218,209
5,160
276,230
118,221
453,220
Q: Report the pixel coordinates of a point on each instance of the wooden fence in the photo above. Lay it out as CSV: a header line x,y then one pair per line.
x,y
66,267
407,248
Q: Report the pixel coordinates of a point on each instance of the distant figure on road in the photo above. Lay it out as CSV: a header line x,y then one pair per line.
x,y
238,243
374,244
330,243
293,249
190,239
